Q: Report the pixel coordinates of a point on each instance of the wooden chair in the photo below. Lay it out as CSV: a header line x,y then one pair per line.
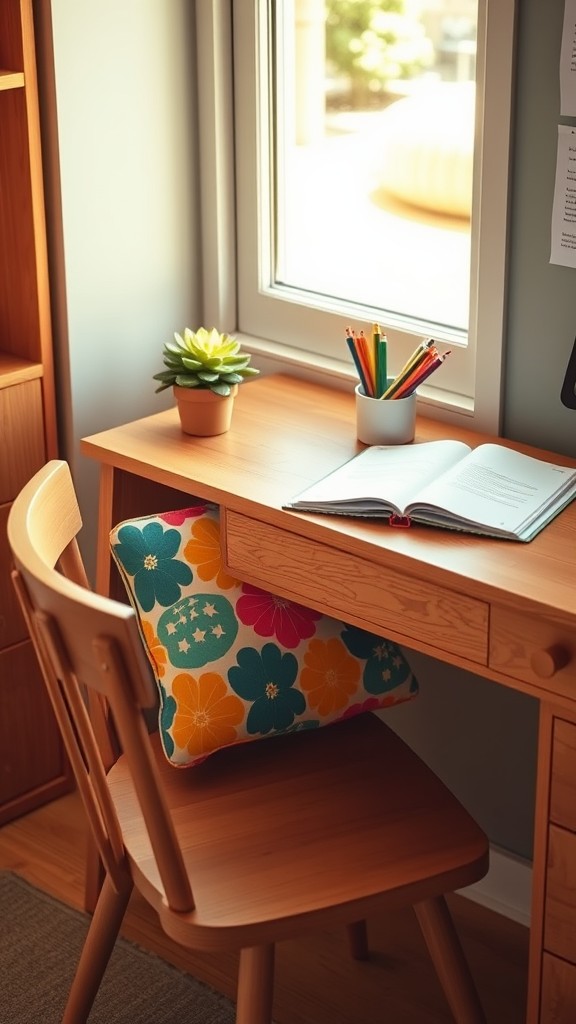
x,y
260,843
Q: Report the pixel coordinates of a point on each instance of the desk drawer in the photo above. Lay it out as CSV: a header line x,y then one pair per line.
x,y
558,991
534,651
354,589
560,913
563,787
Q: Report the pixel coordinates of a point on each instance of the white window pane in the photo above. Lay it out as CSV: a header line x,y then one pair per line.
x,y
374,135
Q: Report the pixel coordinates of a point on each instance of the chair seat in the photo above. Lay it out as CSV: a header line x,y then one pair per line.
x,y
264,857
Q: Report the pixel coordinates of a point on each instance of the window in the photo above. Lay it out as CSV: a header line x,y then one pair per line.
x,y
331,225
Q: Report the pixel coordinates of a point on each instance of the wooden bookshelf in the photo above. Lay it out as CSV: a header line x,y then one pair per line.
x,y
32,764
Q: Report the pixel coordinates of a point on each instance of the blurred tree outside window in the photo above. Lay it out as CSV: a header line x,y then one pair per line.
x,y
370,44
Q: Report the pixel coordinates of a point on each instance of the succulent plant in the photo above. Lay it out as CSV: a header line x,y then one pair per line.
x,y
204,359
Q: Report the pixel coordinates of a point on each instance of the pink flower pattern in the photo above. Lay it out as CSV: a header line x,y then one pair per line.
x,y
181,515
275,616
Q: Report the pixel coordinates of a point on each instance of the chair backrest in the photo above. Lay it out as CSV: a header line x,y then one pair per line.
x,y
86,643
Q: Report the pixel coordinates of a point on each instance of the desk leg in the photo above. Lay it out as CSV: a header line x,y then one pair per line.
x,y
105,511
93,875
123,496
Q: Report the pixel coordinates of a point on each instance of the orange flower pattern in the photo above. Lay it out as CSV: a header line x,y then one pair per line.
x,y
330,676
154,649
206,714
204,551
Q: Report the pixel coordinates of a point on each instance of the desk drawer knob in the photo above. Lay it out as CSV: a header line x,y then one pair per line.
x,y
545,663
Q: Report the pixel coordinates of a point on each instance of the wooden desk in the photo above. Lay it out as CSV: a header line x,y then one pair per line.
x,y
501,609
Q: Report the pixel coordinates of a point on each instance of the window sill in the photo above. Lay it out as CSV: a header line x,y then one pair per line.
x,y
274,358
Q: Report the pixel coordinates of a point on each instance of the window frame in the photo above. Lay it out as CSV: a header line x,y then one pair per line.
x,y
234,239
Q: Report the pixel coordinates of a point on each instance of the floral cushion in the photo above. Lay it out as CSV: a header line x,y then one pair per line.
x,y
234,663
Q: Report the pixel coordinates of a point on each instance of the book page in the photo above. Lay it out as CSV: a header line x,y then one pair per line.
x,y
497,488
391,474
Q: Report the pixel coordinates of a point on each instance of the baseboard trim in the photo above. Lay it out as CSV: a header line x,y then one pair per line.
x,y
506,888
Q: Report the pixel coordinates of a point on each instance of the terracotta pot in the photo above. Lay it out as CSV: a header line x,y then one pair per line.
x,y
203,413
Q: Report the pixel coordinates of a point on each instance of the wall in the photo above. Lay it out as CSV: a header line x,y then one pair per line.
x,y
125,98
483,738
542,302
126,122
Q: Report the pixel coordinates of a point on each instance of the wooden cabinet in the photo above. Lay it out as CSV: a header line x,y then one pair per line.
x,y
554,994
560,914
33,768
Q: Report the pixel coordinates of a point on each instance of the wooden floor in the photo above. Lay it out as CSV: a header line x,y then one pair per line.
x,y
316,980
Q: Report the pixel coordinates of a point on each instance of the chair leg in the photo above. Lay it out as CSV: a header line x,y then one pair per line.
x,y
448,958
98,946
358,940
255,985
93,875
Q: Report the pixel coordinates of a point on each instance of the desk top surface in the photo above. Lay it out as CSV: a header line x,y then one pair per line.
x,y
287,433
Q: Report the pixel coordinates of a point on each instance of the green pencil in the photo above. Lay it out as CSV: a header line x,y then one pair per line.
x,y
380,360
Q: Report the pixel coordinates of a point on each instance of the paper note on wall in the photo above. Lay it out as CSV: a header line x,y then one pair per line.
x,y
568,61
563,250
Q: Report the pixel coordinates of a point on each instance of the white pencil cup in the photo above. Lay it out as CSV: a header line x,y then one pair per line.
x,y
387,421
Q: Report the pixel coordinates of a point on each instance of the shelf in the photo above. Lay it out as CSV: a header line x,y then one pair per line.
x,y
15,370
11,80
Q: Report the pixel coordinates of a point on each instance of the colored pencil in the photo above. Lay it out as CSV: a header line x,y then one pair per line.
x,y
350,341
418,378
366,355
415,359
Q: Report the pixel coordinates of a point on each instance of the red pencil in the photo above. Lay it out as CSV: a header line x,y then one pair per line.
x,y
364,352
420,376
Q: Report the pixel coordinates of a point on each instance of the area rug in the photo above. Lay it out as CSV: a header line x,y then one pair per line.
x,y
40,941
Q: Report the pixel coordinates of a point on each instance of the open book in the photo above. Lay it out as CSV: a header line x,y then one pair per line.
x,y
491,490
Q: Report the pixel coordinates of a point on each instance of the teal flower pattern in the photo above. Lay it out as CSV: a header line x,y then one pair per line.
x,y
165,719
384,666
148,556
198,630
266,678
